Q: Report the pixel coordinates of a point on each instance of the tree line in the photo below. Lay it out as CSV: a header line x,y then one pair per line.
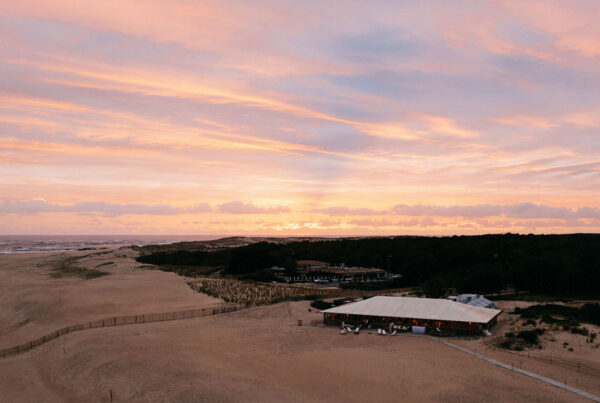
x,y
560,265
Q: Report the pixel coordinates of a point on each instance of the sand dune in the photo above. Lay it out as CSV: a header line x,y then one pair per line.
x,y
258,354
32,303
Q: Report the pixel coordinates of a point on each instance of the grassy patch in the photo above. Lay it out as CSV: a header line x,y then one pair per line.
x,y
69,268
190,271
251,293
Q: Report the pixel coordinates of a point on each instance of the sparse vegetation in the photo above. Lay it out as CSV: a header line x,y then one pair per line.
x,y
525,338
530,336
247,292
566,316
69,268
580,330
190,271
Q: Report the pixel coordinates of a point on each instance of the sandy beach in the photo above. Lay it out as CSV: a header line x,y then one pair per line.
x,y
257,354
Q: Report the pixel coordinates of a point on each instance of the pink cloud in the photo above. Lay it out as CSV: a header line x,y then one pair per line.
x,y
238,207
86,207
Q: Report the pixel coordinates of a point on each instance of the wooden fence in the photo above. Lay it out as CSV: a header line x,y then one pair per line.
x,y
119,321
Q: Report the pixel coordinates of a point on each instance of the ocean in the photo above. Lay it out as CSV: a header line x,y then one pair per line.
x,y
59,243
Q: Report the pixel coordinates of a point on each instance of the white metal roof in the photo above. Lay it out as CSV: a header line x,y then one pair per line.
x,y
417,308
481,301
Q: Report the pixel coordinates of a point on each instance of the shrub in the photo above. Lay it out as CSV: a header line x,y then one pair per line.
x,y
580,330
589,313
530,336
260,275
320,304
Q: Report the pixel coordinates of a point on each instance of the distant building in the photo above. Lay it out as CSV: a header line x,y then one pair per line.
x,y
322,272
447,316
474,300
311,264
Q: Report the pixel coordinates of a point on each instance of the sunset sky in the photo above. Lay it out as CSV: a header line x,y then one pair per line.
x,y
299,117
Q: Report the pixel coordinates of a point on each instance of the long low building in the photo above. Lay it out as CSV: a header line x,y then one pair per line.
x,y
318,271
448,316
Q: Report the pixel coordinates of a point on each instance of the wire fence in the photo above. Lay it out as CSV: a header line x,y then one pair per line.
x,y
569,363
120,321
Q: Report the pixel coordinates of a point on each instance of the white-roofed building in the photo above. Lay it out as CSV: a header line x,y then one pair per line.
x,y
475,300
446,315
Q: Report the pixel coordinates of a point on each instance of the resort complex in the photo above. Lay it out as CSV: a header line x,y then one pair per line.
x,y
323,272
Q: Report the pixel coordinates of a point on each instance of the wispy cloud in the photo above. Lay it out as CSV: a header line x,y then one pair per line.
x,y
110,209
238,207
386,117
524,210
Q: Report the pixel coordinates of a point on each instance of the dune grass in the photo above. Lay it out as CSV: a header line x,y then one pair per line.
x,y
251,293
69,268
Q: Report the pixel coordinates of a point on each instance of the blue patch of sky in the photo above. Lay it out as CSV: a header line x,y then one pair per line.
x,y
519,33
113,47
337,137
544,73
454,94
375,45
